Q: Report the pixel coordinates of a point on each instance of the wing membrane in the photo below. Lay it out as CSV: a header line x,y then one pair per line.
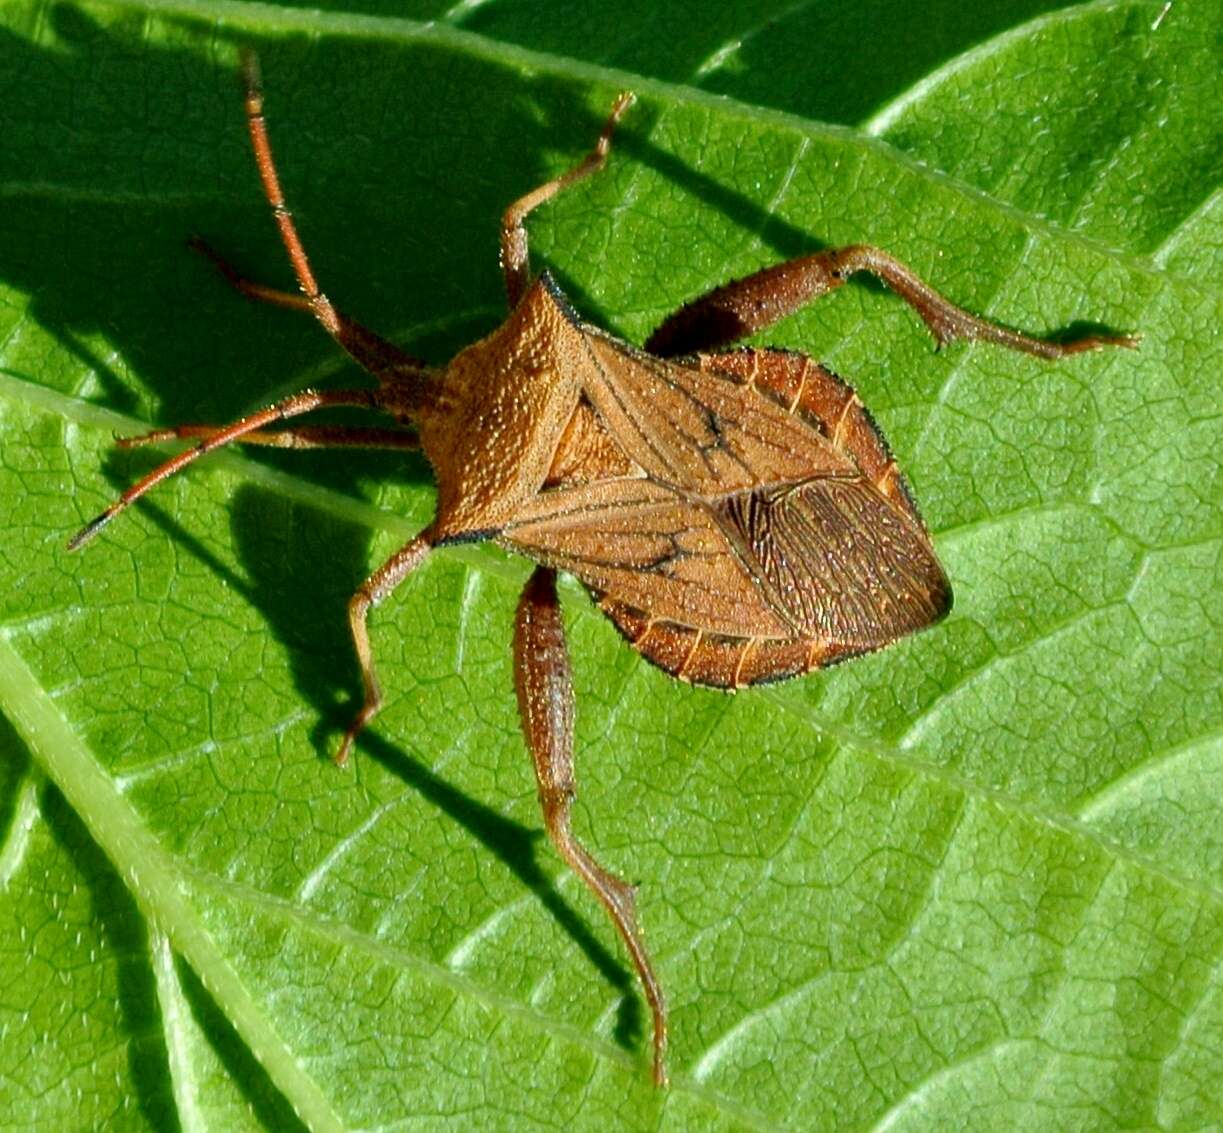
x,y
840,559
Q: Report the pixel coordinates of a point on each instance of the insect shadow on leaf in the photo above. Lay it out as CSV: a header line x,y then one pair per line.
x,y
292,582
736,513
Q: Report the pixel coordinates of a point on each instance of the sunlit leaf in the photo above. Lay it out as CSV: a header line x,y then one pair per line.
x,y
975,881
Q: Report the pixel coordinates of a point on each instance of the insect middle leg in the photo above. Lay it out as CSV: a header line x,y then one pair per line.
x,y
515,255
755,302
369,594
544,683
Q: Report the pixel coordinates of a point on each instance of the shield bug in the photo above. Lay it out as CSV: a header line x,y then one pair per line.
x,y
735,512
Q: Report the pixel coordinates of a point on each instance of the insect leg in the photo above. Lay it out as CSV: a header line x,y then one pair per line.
x,y
755,302
373,353
293,406
515,258
370,593
301,437
544,683
240,283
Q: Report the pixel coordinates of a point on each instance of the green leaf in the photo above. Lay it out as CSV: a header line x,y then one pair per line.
x,y
973,881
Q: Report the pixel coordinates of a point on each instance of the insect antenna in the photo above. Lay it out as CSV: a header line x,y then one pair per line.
x,y
293,406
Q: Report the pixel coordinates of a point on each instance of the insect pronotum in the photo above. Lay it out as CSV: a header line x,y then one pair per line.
x,y
736,513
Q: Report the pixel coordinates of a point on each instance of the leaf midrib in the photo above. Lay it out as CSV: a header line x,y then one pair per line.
x,y
149,874
345,507
156,880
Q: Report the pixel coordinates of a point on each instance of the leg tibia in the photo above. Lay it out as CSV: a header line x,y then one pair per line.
x,y
946,321
515,256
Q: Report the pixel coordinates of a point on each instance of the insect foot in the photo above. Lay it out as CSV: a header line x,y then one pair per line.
x,y
735,512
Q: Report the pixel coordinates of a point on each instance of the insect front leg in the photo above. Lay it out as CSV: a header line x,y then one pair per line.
x,y
757,301
544,683
515,257
370,593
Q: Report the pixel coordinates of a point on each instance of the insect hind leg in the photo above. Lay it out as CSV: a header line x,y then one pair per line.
x,y
544,683
754,303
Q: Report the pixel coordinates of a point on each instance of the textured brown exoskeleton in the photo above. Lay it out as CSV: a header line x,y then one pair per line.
x,y
736,514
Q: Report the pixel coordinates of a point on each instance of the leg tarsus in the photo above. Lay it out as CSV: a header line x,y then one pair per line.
x,y
369,594
544,683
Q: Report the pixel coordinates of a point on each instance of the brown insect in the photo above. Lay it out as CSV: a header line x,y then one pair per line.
x,y
735,513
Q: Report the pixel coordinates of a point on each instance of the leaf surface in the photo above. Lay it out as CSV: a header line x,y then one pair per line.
x,y
976,880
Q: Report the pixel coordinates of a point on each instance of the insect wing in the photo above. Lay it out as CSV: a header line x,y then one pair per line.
x,y
651,548
747,522
844,564
705,434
